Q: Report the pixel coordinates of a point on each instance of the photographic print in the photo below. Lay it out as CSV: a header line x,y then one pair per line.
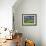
x,y
29,19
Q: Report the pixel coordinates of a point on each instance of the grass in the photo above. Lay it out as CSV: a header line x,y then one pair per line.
x,y
28,21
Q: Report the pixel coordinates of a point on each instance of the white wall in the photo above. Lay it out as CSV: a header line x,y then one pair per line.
x,y
28,7
6,13
43,22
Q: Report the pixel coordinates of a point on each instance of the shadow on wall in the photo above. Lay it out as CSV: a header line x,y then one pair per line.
x,y
17,4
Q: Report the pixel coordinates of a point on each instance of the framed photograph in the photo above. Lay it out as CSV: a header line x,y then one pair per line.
x,y
29,19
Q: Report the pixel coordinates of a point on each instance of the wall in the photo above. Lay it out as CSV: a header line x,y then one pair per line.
x,y
28,7
43,22
6,13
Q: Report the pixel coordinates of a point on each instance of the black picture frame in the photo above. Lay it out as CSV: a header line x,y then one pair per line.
x,y
29,19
